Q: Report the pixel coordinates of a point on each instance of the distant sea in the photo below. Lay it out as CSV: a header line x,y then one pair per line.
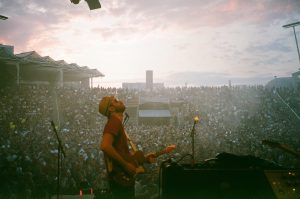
x,y
213,82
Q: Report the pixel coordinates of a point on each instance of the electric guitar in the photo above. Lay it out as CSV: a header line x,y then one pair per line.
x,y
120,176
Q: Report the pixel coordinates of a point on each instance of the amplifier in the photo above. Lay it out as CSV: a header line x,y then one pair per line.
x,y
186,181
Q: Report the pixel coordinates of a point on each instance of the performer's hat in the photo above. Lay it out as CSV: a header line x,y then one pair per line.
x,y
104,105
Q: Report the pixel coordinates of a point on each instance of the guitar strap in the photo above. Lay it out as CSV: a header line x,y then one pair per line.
x,y
133,146
140,168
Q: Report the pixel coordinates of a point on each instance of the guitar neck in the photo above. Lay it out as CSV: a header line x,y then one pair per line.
x,y
159,153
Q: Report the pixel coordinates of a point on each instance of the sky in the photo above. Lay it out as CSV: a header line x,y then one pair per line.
x,y
184,42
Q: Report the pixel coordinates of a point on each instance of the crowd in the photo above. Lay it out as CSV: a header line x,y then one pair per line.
x,y
232,119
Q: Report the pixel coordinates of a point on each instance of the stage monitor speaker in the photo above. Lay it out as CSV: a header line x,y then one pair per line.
x,y
93,4
186,181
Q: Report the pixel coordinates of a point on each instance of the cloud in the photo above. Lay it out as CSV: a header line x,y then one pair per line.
x,y
28,20
231,34
33,18
273,46
192,14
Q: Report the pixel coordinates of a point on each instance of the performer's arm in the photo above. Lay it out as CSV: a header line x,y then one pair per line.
x,y
107,148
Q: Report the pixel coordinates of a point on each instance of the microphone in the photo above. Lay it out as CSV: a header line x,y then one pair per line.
x,y
126,118
196,119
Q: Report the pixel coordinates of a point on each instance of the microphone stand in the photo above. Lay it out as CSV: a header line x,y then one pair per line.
x,y
60,150
196,119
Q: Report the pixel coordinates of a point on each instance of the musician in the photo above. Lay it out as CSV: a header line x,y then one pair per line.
x,y
115,147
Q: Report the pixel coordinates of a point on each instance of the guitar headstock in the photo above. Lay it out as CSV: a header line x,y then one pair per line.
x,y
271,143
170,148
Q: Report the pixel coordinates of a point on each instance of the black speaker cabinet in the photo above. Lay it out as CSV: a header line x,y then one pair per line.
x,y
186,181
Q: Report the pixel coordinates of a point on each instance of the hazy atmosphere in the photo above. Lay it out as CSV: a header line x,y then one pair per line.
x,y
207,42
210,100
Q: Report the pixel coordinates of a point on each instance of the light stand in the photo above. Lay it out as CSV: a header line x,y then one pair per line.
x,y
293,25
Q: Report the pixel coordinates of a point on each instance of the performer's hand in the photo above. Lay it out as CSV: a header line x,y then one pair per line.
x,y
150,157
130,168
